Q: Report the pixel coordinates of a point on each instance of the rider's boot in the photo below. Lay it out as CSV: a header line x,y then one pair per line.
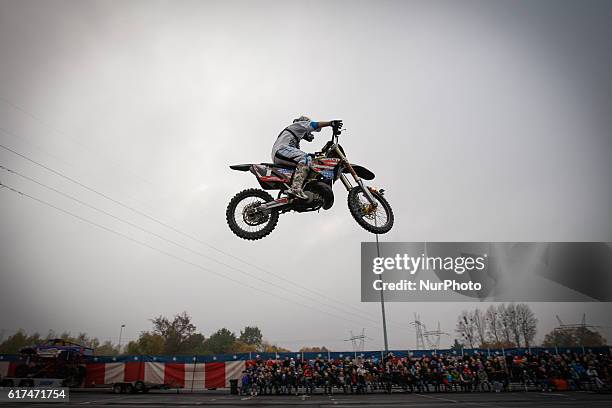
x,y
299,176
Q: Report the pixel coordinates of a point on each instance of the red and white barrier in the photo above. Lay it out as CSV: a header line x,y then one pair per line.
x,y
4,368
198,376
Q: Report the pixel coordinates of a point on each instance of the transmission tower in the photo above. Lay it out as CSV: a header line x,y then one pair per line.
x,y
358,341
580,328
420,331
433,337
424,337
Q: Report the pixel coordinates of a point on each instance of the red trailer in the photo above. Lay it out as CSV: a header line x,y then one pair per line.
x,y
54,363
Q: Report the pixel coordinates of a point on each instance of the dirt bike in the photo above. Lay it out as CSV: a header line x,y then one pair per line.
x,y
253,213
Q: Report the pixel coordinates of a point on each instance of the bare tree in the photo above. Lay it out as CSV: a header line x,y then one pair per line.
x,y
466,329
515,327
494,325
505,320
480,326
527,323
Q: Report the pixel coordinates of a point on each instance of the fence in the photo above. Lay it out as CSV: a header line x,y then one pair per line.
x,y
216,371
334,355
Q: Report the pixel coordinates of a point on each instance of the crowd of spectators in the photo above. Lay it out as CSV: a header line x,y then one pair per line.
x,y
438,373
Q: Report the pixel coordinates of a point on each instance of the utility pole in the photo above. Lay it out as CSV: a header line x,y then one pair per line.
x,y
120,333
382,305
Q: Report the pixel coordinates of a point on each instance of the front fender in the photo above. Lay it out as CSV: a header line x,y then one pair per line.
x,y
361,172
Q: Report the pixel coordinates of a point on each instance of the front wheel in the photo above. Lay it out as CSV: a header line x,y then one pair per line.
x,y
246,219
376,219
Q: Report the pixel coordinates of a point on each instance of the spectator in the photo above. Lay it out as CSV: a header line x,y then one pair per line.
x,y
244,388
442,373
594,378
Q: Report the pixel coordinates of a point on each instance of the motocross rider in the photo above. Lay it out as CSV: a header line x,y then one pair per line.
x,y
286,150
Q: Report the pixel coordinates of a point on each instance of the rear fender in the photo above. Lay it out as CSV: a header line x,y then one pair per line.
x,y
241,167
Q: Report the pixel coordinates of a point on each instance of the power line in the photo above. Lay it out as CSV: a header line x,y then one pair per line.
x,y
143,214
23,110
169,240
57,173
74,140
125,236
55,157
302,287
176,230
166,225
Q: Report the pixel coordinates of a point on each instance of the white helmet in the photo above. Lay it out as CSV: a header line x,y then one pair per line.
x,y
301,119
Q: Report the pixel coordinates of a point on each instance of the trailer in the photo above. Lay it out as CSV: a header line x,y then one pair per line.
x,y
32,382
132,387
123,374
54,363
141,373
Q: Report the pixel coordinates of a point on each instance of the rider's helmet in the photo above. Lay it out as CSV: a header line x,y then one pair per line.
x,y
308,136
301,119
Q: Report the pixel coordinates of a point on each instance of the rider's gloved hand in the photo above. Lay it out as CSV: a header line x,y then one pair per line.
x,y
309,137
337,124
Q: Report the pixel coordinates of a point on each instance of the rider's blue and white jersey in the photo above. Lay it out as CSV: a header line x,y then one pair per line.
x,y
293,134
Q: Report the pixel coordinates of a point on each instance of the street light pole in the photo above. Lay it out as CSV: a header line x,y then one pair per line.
x,y
382,305
120,333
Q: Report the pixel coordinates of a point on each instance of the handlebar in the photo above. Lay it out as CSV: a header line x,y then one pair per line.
x,y
336,131
336,126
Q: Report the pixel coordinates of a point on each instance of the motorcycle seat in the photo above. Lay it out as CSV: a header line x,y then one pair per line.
x,y
279,166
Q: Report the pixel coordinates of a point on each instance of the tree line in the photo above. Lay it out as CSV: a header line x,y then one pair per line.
x,y
515,325
498,326
168,336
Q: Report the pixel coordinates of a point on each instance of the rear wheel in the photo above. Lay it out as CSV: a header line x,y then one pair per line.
x,y
139,386
246,219
376,219
26,383
22,370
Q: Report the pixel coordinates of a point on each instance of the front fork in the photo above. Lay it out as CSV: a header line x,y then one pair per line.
x,y
347,184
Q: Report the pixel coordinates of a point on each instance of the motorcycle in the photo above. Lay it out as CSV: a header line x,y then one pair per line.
x,y
253,213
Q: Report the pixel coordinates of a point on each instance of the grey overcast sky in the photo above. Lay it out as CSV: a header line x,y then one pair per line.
x,y
484,121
